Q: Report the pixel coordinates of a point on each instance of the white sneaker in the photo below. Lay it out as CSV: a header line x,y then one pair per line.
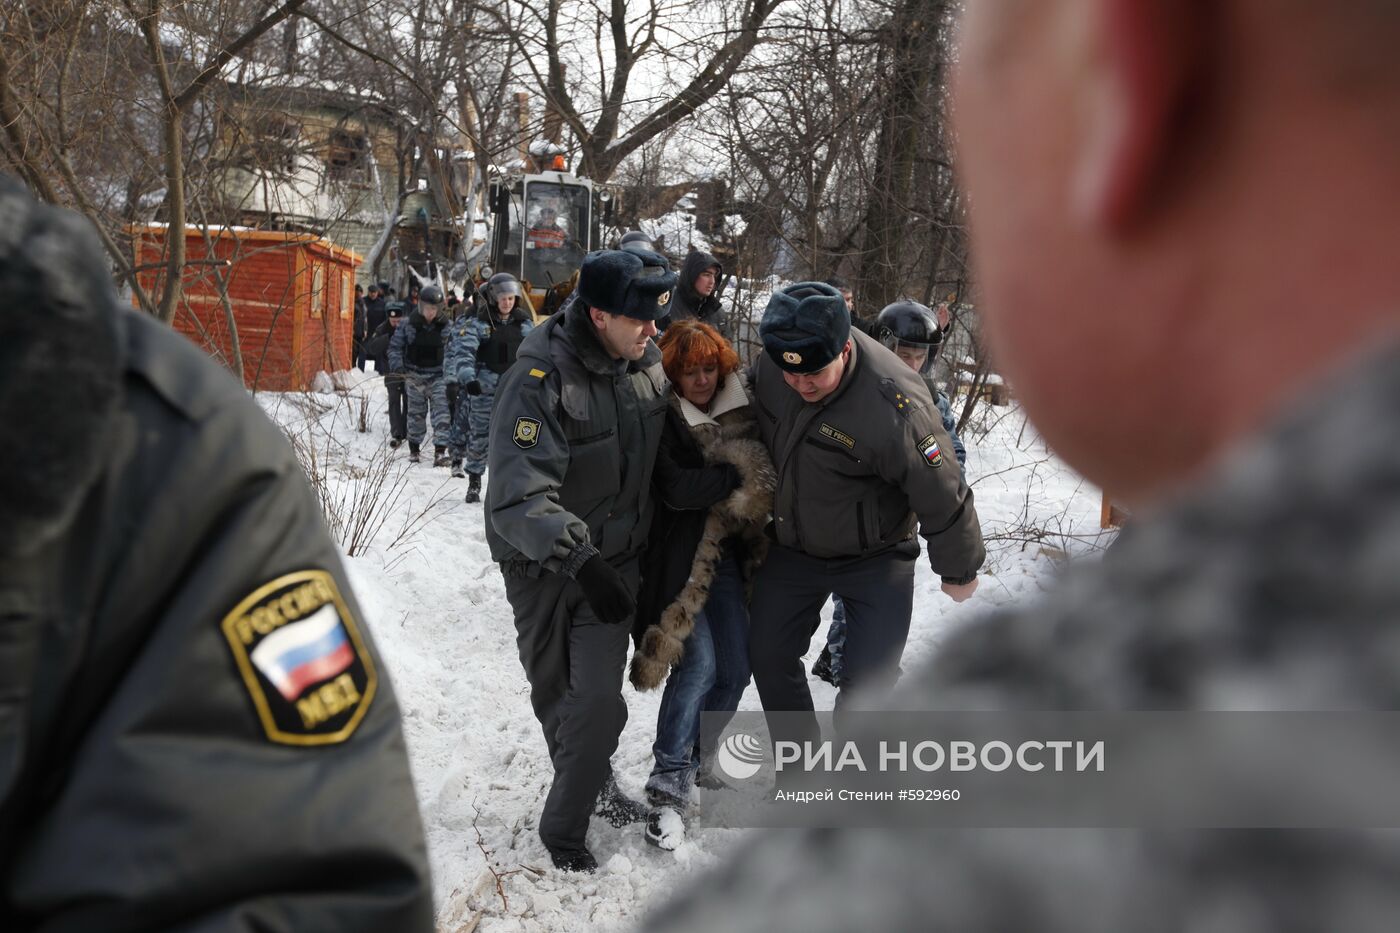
x,y
665,828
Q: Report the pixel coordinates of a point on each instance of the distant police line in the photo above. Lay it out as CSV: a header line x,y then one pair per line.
x,y
933,756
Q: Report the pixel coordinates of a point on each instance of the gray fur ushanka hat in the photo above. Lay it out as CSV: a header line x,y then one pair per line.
x,y
632,284
805,327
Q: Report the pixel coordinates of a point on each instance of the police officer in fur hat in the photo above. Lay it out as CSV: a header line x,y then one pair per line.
x,y
573,442
860,429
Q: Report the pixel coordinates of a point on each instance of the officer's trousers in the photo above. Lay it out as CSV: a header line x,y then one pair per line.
x,y
425,390
398,406
574,663
479,431
789,591
471,423
461,412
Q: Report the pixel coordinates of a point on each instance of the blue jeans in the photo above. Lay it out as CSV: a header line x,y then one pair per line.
x,y
711,677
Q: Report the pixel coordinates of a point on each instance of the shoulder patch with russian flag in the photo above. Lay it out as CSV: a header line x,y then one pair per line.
x,y
302,659
932,453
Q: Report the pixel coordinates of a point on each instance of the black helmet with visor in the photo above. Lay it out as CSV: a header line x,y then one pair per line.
x,y
910,326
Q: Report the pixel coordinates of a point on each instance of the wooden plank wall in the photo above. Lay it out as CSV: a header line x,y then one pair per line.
x,y
287,333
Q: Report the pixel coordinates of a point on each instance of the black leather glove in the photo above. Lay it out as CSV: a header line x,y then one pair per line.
x,y
474,387
605,590
452,389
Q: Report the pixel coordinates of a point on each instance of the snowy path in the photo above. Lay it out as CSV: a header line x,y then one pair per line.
x,y
438,611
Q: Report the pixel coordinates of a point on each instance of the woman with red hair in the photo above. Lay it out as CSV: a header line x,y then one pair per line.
x,y
714,481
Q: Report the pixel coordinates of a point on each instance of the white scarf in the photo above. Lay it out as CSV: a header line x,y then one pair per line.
x,y
728,397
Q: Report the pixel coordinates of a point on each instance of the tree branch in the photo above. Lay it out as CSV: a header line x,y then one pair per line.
x,y
226,54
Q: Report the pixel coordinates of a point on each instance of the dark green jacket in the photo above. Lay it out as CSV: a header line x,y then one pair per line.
x,y
861,469
151,776
573,442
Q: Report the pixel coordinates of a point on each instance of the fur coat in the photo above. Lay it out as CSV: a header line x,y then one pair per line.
x,y
743,515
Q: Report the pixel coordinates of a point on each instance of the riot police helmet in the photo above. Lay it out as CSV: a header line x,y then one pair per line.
x,y
635,241
500,285
910,327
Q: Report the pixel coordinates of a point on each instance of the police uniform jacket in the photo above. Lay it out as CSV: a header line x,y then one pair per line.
x,y
158,771
861,469
418,345
945,414
375,314
377,349
484,344
573,442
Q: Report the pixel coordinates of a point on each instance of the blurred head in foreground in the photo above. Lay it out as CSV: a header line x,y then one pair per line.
x,y
1178,211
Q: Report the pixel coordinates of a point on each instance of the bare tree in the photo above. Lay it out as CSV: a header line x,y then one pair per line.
x,y
176,97
826,117
794,134
836,137
673,39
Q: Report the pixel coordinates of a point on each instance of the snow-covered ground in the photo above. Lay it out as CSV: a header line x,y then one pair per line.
x,y
436,605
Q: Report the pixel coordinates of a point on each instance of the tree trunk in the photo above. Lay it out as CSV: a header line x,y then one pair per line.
x,y
175,212
912,36
172,128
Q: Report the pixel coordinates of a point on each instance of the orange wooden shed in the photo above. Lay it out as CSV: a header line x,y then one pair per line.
x,y
292,296
1112,514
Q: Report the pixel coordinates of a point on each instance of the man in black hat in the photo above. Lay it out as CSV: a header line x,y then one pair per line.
x,y
360,330
378,349
375,312
861,430
573,441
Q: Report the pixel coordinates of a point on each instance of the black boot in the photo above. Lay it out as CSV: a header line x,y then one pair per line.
x,y
395,442
457,472
440,458
414,456
573,859
616,807
474,487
